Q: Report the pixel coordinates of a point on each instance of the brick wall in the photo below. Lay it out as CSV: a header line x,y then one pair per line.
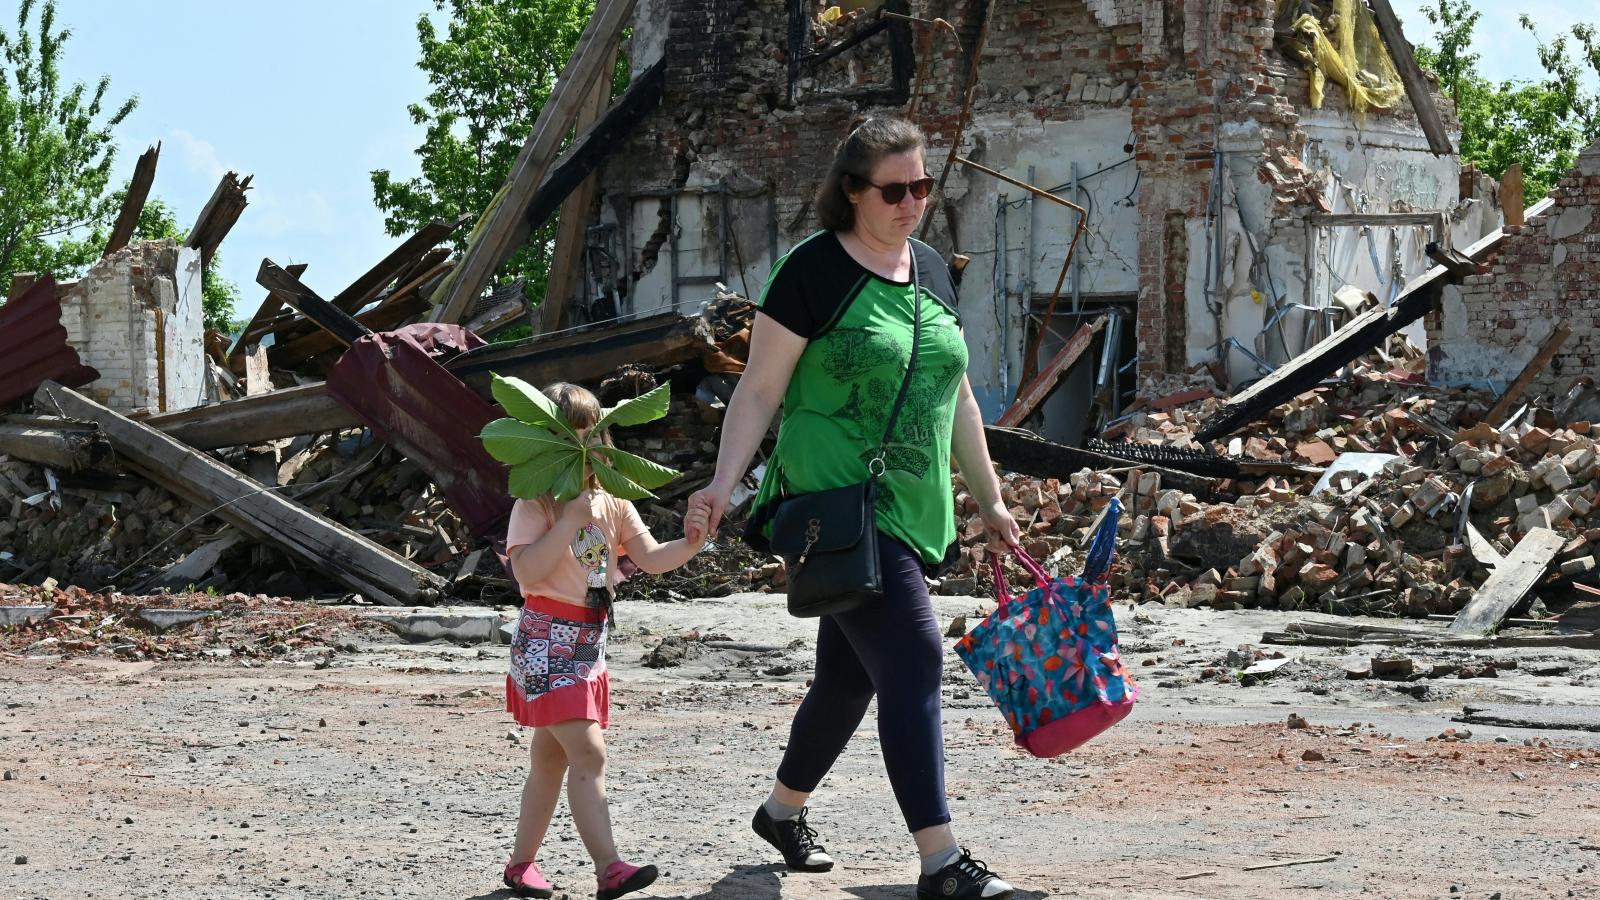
x,y
1544,274
136,317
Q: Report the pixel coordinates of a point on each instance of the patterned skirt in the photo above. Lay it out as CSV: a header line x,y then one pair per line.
x,y
558,665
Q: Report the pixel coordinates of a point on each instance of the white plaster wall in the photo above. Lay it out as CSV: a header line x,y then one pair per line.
x,y
185,335
1108,251
1375,169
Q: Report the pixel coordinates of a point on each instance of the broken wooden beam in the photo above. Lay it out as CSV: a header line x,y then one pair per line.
x,y
258,326
583,356
1019,451
591,148
353,560
144,175
1042,386
572,228
1511,195
365,288
219,215
1354,338
1418,90
1512,579
1513,392
58,443
327,317
494,241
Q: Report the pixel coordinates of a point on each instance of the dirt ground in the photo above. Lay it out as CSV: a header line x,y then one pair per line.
x,y
392,772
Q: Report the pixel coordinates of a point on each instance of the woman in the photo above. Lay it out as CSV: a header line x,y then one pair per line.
x,y
832,342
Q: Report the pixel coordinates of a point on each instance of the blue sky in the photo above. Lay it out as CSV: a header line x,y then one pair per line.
x,y
310,96
307,97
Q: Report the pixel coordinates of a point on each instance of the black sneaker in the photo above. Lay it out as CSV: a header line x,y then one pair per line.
x,y
794,839
964,879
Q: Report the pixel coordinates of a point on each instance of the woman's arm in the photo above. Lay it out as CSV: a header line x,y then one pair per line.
x,y
774,350
971,450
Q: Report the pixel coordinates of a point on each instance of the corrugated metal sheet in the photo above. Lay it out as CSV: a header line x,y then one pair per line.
x,y
33,345
391,382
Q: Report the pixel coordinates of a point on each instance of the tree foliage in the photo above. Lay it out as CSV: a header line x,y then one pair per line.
x,y
491,72
56,149
1542,124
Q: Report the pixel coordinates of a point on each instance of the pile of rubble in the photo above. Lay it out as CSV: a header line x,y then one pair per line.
x,y
1379,506
72,621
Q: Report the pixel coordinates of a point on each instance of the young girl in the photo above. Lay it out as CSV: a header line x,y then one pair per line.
x,y
565,557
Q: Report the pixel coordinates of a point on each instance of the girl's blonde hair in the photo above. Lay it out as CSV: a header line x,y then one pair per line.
x,y
581,408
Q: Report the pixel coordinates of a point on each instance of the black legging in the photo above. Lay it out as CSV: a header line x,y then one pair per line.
x,y
891,648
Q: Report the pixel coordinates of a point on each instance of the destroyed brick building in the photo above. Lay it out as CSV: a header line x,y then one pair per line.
x,y
1225,208
1540,297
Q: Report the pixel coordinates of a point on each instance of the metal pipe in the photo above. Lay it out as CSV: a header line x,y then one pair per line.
x,y
1077,264
1027,285
1004,308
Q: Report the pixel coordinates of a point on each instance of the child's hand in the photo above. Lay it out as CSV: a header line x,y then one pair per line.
x,y
695,525
583,509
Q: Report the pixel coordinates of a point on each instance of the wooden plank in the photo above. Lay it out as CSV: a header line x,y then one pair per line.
x,y
493,243
257,373
1417,87
572,228
1511,196
1482,551
144,175
252,333
220,213
1036,391
399,306
1512,579
353,560
68,446
1540,360
334,321
579,356
366,287
1354,338
591,148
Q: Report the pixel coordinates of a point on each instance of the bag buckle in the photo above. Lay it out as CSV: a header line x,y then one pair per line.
x,y
813,534
876,465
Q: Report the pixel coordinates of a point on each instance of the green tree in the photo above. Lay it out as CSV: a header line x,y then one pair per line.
x,y
490,72
56,148
1541,124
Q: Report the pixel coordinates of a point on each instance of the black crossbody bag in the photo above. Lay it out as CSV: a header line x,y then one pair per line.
x,y
829,539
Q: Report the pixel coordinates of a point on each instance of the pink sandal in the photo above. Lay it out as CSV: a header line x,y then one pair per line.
x,y
525,880
621,878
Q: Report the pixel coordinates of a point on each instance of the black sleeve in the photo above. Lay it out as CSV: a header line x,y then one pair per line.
x,y
786,300
934,273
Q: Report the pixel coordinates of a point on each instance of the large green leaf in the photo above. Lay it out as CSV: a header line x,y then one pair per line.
x,y
645,408
569,483
534,479
513,441
636,468
616,484
522,400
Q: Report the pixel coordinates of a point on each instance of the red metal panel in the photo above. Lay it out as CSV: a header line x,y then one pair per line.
x,y
392,382
33,345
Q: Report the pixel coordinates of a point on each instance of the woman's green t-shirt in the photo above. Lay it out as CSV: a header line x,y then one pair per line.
x,y
859,328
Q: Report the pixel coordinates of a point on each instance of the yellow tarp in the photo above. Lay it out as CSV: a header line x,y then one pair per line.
x,y
1355,57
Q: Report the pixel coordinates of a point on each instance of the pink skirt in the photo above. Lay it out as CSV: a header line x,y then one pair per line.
x,y
558,665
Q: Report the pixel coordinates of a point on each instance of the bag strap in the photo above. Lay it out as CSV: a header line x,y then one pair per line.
x,y
876,466
1001,589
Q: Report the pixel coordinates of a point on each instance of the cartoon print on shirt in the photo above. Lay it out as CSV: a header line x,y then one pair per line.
x,y
592,553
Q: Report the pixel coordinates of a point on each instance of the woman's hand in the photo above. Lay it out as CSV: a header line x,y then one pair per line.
x,y
1002,528
711,500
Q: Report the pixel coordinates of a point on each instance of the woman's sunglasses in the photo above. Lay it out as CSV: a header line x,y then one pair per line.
x,y
894,193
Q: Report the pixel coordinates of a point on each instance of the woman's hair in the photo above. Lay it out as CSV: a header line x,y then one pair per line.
x,y
853,162
581,408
